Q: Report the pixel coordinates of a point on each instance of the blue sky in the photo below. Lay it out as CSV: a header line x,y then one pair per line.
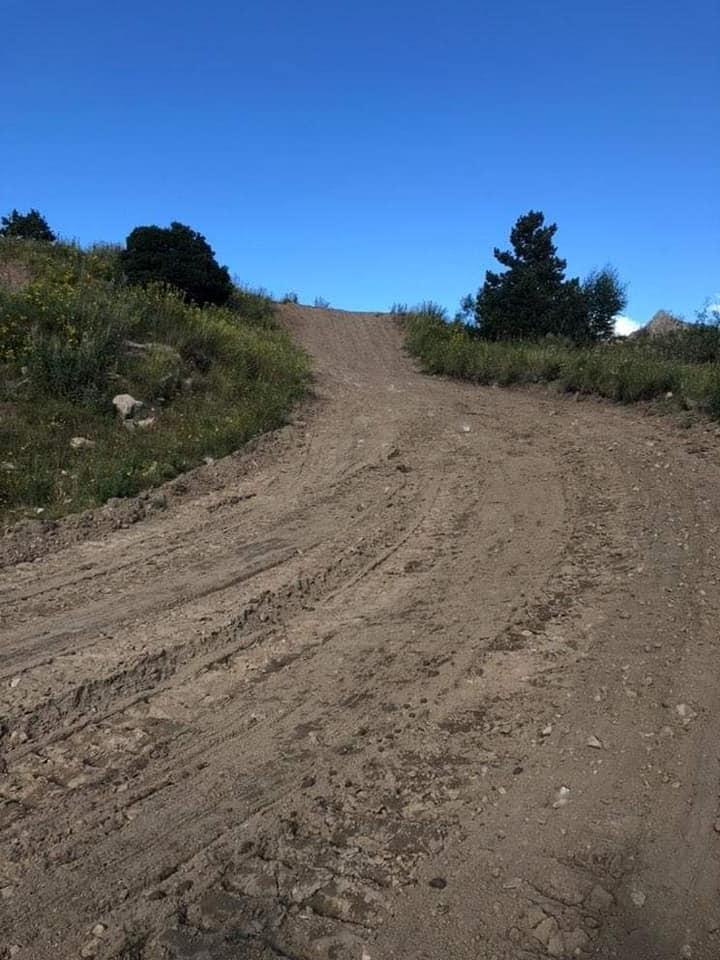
x,y
376,152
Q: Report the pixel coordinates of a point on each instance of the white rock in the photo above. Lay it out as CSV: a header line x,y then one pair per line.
x,y
638,897
127,406
8,466
594,743
80,443
562,798
99,930
144,423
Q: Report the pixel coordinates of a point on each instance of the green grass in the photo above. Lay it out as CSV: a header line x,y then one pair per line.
x,y
623,371
73,335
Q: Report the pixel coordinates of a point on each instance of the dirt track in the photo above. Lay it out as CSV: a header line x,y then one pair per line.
x,y
323,703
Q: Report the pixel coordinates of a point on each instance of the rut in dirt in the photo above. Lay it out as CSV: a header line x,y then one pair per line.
x,y
430,673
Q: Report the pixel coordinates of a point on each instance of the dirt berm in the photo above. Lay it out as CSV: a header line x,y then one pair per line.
x,y
432,673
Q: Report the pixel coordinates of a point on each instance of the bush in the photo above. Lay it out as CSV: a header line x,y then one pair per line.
x,y
180,257
253,306
627,372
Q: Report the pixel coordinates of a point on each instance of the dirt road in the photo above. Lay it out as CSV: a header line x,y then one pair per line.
x,y
431,673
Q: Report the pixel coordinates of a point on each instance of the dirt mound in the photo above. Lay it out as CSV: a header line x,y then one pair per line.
x,y
431,673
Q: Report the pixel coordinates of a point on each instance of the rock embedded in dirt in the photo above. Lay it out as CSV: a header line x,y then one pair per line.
x,y
638,897
594,743
534,916
438,883
599,900
547,931
562,797
81,443
575,941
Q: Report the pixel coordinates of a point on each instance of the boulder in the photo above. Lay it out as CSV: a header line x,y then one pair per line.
x,y
128,407
662,323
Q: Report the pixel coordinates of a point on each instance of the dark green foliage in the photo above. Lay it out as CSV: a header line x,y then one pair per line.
x,y
26,226
532,298
290,297
180,257
605,297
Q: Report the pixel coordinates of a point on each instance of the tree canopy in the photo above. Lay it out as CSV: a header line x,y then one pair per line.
x,y
532,298
26,226
179,256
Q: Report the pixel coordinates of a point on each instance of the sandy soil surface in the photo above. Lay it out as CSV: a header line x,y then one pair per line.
x,y
430,673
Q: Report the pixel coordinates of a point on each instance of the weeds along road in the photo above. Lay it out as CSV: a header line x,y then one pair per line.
x,y
432,673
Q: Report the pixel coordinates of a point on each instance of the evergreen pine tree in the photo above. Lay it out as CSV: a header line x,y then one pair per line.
x,y
531,298
26,226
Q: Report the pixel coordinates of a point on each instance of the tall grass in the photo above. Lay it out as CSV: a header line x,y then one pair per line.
x,y
72,335
644,369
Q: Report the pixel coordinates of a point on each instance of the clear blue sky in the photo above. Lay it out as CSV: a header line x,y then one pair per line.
x,y
376,151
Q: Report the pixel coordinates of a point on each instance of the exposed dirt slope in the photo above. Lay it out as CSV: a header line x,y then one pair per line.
x,y
432,673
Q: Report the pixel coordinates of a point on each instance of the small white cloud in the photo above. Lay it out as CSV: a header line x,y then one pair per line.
x,y
625,325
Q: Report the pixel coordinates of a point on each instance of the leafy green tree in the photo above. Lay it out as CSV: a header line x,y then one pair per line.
x,y
26,226
605,297
179,256
531,298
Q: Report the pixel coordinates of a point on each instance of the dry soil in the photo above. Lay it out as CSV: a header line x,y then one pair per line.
x,y
430,673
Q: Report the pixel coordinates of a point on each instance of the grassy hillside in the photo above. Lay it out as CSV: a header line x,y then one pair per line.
x,y
682,368
73,335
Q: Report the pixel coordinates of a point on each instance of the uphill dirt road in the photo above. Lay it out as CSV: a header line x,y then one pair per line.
x,y
430,673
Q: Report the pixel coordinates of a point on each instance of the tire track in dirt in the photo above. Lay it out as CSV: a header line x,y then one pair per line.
x,y
332,719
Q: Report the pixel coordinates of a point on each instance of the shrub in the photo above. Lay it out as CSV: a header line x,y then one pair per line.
x,y
624,371
253,306
76,368
180,257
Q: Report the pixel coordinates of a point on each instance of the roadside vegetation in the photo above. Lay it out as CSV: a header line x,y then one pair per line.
x,y
529,324
204,360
